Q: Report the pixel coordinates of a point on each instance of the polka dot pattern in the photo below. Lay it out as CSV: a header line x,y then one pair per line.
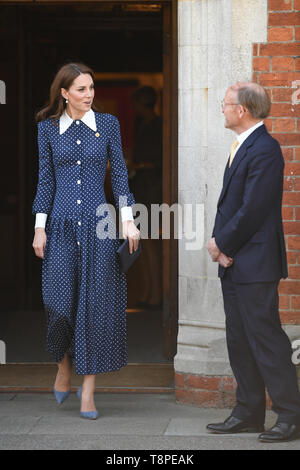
x,y
84,291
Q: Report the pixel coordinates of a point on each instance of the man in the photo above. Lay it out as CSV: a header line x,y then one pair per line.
x,y
248,244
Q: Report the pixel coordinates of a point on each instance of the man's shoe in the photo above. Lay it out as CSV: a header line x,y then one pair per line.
x,y
280,432
233,425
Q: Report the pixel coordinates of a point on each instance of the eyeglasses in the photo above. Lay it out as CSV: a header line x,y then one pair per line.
x,y
223,104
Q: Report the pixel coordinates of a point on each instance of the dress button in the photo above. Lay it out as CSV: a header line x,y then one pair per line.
x,y
79,223
78,201
78,141
78,162
78,243
78,181
77,122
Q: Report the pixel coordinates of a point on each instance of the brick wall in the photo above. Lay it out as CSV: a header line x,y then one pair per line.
x,y
276,65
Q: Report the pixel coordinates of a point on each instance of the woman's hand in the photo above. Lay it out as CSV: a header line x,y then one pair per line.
x,y
132,233
39,241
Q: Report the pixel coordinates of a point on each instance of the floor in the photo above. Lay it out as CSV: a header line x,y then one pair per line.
x,y
126,421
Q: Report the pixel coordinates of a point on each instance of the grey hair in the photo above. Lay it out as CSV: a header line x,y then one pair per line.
x,y
253,97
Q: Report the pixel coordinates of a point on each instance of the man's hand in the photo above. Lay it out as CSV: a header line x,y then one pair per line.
x,y
224,260
213,249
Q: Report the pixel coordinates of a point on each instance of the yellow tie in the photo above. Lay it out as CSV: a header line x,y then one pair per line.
x,y
233,147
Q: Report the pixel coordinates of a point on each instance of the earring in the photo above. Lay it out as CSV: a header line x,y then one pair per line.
x,y
66,100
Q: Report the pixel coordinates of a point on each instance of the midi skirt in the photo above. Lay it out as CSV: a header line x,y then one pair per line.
x,y
84,294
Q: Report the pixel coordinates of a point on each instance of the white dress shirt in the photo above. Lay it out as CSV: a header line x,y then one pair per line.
x,y
64,123
243,136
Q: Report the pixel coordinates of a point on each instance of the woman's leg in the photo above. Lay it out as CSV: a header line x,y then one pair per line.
x,y
87,394
63,378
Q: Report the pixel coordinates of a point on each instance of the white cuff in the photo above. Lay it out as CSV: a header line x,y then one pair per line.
x,y
126,213
40,220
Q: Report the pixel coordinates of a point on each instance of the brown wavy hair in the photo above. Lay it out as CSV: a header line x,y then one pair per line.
x,y
64,78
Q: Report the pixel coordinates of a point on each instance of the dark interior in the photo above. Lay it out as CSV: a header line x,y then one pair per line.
x,y
35,41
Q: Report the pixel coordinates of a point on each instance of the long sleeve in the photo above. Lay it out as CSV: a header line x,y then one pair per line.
x,y
119,174
46,180
40,220
263,186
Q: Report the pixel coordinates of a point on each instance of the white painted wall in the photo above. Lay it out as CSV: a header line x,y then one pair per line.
x,y
214,51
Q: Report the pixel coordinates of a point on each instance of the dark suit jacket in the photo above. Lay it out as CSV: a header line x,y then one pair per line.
x,y
248,225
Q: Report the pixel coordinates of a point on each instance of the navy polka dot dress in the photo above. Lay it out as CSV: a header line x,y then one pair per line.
x,y
84,292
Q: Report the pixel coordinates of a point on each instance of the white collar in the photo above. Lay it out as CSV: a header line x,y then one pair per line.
x,y
243,136
88,118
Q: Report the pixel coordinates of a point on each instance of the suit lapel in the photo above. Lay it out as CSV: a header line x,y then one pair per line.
x,y
241,153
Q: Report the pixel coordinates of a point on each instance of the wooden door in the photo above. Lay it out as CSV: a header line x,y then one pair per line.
x,y
170,176
170,247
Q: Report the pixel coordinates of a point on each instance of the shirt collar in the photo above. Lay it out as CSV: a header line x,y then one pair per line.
x,y
88,118
243,136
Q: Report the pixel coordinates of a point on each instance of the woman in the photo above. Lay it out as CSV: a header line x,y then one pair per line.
x,y
84,292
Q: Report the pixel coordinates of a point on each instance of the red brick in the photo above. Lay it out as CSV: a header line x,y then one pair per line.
x,y
179,380
297,154
284,302
288,184
269,91
282,94
255,77
255,50
261,63
208,383
294,243
284,125
296,302
284,19
289,317
292,169
278,78
288,139
294,272
291,199
280,34
228,383
297,5
297,211
287,213
291,228
291,257
283,63
297,34
203,398
229,400
297,185
289,287
288,153
277,5
269,124
297,64
282,110
292,49
298,125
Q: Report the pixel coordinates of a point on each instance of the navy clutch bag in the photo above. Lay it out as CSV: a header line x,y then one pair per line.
x,y
125,258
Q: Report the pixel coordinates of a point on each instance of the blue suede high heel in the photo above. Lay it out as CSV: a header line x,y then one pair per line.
x,y
87,414
62,396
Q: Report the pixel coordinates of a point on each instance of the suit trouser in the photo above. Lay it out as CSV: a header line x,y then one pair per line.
x,y
259,351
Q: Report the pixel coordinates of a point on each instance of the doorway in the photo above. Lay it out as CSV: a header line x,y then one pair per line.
x,y
128,46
